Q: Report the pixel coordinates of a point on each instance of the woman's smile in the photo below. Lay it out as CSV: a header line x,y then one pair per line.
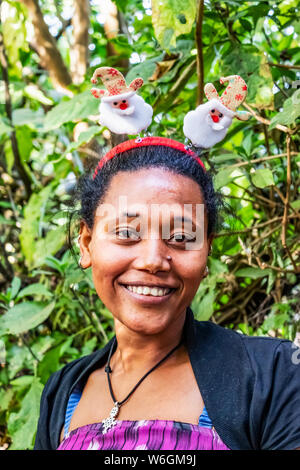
x,y
145,295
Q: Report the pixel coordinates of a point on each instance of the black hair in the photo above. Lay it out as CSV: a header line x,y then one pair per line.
x,y
91,192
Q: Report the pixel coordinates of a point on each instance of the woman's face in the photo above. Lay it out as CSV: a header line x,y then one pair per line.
x,y
134,250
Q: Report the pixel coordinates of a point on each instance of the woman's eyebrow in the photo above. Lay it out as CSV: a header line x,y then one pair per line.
x,y
179,218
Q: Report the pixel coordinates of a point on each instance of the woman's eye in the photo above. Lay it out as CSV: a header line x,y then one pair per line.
x,y
179,237
133,235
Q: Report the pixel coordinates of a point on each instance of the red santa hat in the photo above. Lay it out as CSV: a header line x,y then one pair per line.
x,y
115,84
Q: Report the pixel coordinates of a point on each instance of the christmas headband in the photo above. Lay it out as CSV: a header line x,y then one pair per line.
x,y
144,142
122,111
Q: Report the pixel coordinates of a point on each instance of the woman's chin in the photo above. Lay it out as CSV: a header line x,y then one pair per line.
x,y
145,323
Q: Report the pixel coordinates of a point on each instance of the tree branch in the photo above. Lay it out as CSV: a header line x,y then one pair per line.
x,y
79,49
285,129
163,102
8,108
112,27
199,45
284,66
286,203
47,50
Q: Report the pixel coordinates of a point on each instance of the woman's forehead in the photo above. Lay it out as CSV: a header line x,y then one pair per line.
x,y
150,185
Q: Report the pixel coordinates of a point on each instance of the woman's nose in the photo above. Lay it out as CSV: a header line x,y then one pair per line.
x,y
153,256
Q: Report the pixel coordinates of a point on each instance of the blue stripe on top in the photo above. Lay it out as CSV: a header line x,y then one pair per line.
x,y
204,419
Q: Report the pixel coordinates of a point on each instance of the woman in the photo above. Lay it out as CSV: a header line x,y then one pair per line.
x,y
165,381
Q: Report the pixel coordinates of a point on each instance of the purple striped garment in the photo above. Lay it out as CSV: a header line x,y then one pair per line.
x,y
143,435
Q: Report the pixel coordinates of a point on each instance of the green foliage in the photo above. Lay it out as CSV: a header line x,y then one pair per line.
x,y
50,312
171,19
24,317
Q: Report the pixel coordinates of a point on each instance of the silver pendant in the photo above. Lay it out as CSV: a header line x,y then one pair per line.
x,y
110,421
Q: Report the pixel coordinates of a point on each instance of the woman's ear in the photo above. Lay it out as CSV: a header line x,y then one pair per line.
x,y
85,237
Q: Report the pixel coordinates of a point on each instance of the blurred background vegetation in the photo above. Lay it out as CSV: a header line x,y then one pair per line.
x,y
50,313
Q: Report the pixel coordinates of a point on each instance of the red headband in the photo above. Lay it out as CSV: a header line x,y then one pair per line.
x,y
145,141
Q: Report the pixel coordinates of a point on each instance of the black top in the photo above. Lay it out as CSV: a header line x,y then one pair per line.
x,y
250,387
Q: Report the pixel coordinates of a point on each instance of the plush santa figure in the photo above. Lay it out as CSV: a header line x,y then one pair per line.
x,y
121,110
209,122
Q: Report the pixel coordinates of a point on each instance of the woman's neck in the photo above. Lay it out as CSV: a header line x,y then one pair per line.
x,y
137,352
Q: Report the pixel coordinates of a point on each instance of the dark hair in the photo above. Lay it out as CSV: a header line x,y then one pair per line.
x,y
91,192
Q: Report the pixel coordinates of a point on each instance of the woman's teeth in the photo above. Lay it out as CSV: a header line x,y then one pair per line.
x,y
145,290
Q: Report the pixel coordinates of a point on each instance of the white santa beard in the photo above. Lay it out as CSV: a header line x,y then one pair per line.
x,y
124,112
126,124
197,126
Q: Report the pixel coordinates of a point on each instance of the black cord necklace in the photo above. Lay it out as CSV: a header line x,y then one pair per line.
x,y
110,421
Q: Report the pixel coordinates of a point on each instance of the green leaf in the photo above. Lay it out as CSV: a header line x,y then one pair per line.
x,y
34,248
22,382
23,424
144,70
83,138
32,91
226,175
247,143
296,204
204,308
51,361
171,18
275,321
271,279
246,24
253,273
15,287
248,62
290,112
81,106
49,245
9,156
224,157
35,289
24,317
262,178
5,398
5,129
33,119
24,138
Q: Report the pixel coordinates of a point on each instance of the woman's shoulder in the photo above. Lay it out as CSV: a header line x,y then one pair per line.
x,y
56,394
255,345
262,356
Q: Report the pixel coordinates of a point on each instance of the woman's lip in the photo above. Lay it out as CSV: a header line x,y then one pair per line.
x,y
148,299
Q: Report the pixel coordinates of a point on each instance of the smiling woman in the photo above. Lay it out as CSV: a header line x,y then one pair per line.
x,y
165,381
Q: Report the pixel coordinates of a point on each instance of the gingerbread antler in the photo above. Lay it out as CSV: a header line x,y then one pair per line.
x,y
114,82
234,95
